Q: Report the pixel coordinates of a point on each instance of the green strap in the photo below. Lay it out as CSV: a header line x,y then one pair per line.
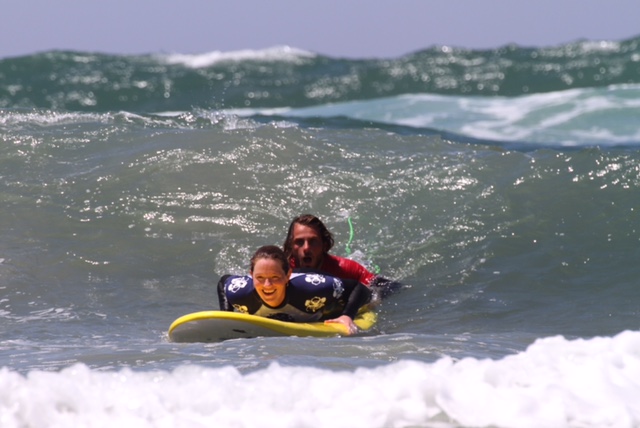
x,y
350,236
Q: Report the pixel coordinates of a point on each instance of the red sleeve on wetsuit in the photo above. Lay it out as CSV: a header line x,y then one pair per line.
x,y
346,268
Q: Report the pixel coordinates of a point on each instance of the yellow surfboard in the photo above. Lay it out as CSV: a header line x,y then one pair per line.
x,y
215,326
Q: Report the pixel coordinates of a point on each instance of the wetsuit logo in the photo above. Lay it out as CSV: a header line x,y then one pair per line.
x,y
314,278
237,284
338,289
315,304
241,308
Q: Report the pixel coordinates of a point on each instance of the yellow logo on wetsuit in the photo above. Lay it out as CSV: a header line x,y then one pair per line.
x,y
313,305
241,308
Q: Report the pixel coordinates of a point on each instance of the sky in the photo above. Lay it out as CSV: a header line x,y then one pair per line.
x,y
337,28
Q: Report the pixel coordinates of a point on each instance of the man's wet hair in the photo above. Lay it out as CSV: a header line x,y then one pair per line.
x,y
311,221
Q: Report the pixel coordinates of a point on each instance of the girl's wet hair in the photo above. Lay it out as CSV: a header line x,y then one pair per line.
x,y
270,252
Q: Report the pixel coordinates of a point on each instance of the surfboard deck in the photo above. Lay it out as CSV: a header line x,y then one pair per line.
x,y
216,326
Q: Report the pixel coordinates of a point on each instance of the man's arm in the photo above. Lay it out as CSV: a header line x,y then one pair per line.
x,y
347,269
384,287
359,296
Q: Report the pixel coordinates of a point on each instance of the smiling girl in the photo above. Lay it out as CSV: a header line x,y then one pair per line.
x,y
274,291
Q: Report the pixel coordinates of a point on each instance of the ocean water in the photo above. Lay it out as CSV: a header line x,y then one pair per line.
x,y
501,187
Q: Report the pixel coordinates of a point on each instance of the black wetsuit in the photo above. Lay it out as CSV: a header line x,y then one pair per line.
x,y
310,297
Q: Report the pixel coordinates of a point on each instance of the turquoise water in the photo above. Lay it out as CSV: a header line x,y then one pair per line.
x,y
501,187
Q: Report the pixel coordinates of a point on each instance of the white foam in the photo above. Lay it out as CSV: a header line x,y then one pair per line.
x,y
599,46
574,116
49,118
554,383
276,53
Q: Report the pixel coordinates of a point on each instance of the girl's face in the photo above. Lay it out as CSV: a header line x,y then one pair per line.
x,y
270,281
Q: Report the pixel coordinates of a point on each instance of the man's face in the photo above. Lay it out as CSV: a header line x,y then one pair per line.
x,y
307,248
